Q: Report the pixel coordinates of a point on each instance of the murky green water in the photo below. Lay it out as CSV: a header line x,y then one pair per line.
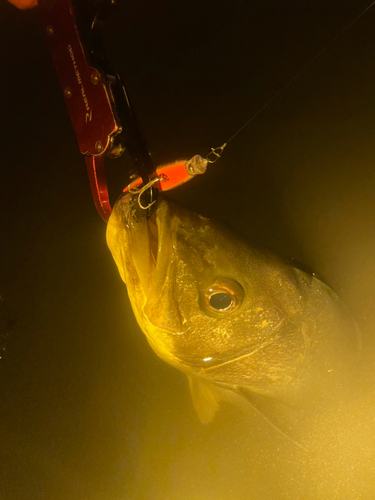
x,y
87,410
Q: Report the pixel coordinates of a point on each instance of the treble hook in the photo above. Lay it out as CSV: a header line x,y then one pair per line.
x,y
215,153
140,191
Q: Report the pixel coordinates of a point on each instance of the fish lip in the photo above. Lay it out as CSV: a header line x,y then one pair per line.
x,y
162,308
164,241
128,237
135,223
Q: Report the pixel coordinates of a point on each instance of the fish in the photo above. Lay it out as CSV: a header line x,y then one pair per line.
x,y
242,323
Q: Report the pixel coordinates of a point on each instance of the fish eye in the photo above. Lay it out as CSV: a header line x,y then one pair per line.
x,y
223,296
220,301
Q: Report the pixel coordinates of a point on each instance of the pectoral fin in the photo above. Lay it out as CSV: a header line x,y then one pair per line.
x,y
277,414
205,399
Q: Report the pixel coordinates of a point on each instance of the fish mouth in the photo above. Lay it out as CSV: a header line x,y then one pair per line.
x,y
162,308
143,239
142,246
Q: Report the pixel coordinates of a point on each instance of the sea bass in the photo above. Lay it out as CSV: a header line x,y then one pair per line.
x,y
237,319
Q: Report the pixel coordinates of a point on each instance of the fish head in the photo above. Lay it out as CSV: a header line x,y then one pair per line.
x,y
217,308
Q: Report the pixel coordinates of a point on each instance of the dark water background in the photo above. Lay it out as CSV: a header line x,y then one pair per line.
x,y
87,411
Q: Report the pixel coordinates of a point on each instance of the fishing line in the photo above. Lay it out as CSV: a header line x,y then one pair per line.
x,y
216,153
